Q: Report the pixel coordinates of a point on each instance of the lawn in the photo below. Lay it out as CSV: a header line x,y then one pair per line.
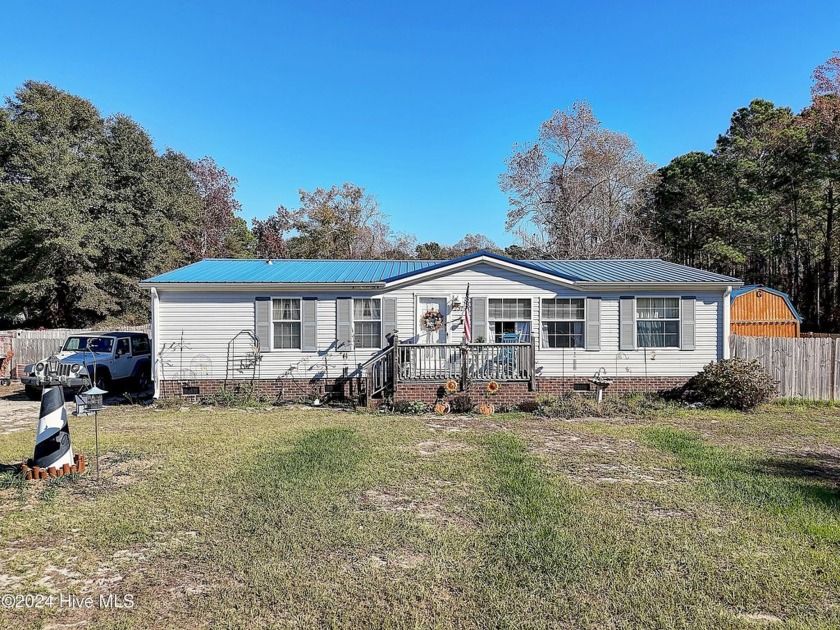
x,y
303,517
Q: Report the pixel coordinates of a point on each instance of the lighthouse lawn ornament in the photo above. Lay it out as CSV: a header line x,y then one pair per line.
x,y
52,442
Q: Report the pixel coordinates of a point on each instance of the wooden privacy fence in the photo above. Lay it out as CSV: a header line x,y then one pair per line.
x,y
31,346
802,368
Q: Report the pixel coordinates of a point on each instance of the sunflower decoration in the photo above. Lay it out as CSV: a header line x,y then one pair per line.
x,y
451,386
492,387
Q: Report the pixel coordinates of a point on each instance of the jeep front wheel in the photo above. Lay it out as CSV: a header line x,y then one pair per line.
x,y
103,380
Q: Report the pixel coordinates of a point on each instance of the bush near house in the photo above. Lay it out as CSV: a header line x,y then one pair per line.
x,y
572,405
734,383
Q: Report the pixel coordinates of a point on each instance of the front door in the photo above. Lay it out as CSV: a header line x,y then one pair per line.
x,y
432,336
433,363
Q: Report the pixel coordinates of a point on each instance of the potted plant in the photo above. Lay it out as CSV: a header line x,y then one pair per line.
x,y
485,408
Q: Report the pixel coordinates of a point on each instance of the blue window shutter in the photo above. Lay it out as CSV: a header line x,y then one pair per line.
x,y
688,322
262,322
592,338
627,323
309,324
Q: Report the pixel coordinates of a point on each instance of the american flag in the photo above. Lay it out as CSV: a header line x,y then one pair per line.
x,y
467,322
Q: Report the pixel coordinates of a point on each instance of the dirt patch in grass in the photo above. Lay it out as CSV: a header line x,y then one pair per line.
x,y
761,618
428,509
549,442
434,447
647,510
621,473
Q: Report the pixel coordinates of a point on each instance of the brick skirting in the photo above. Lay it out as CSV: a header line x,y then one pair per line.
x,y
512,393
287,389
281,389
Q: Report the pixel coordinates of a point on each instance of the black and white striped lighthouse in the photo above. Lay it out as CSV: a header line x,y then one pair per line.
x,y
52,443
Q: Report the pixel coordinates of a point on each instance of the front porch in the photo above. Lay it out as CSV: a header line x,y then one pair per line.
x,y
437,363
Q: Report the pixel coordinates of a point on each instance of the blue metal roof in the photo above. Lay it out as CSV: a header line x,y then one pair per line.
x,y
629,270
752,287
291,271
651,270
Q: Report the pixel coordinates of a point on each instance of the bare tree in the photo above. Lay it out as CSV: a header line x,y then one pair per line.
x,y
216,212
577,191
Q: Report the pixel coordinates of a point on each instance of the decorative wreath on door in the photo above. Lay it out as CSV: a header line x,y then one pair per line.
x,y
432,320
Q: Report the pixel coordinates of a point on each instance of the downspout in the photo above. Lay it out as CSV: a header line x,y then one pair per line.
x,y
153,330
727,307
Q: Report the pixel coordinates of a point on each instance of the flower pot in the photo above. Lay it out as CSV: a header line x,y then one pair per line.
x,y
441,407
485,409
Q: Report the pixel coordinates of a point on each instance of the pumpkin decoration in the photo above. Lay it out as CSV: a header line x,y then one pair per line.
x,y
432,320
485,408
441,407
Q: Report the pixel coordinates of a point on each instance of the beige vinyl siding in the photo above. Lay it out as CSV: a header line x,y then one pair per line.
x,y
209,319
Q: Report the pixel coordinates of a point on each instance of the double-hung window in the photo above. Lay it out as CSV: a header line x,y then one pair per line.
x,y
658,322
563,322
367,322
508,317
285,319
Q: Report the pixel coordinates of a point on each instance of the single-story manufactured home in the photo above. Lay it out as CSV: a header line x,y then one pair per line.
x,y
402,328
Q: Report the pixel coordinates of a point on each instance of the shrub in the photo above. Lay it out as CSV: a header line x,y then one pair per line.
x,y
529,406
571,405
413,407
238,397
461,404
734,383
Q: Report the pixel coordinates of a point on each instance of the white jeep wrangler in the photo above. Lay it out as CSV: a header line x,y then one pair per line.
x,y
114,359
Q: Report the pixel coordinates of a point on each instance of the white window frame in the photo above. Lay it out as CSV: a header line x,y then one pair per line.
x,y
637,319
366,321
288,321
491,320
546,320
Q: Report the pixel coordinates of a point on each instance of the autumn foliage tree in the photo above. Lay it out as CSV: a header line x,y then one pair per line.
x,y
577,191
338,222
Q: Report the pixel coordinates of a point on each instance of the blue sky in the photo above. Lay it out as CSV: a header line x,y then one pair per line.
x,y
418,102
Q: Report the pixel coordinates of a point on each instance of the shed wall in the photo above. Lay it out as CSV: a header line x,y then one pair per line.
x,y
765,316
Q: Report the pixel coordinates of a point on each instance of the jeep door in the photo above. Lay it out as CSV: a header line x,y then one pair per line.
x,y
122,363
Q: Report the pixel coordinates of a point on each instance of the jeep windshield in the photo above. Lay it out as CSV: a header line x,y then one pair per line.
x,y
94,344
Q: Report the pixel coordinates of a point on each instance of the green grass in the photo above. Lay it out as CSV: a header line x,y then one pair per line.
x,y
235,519
789,489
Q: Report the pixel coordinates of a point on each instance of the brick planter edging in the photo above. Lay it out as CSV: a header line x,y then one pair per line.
x,y
513,393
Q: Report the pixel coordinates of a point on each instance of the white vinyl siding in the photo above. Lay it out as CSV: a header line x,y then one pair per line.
x,y
563,322
658,322
367,322
285,320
